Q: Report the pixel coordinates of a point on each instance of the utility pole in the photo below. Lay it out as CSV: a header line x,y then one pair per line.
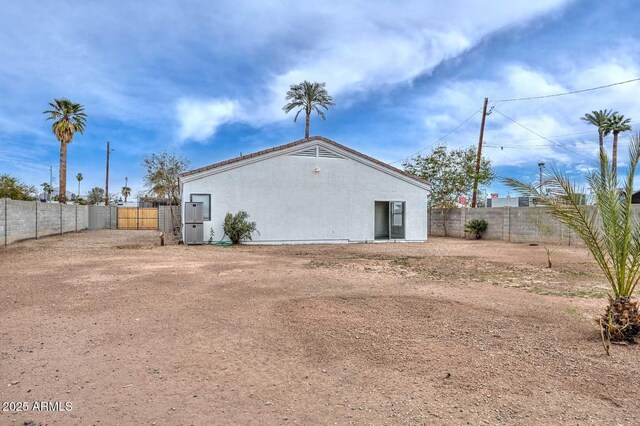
x,y
106,190
474,199
541,166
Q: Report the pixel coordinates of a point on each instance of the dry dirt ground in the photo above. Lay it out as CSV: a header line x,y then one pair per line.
x,y
447,332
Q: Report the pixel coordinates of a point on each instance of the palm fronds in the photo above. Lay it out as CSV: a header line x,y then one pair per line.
x,y
609,229
308,97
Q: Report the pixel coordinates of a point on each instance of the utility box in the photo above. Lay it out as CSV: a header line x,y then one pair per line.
x,y
193,226
193,233
193,212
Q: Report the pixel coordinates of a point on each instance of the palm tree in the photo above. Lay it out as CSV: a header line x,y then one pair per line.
x,y
308,97
79,178
617,124
600,119
69,118
47,189
126,192
609,230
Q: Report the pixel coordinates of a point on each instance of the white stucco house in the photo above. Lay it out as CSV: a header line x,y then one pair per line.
x,y
312,190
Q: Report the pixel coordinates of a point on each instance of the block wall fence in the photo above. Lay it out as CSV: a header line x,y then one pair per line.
x,y
511,224
23,220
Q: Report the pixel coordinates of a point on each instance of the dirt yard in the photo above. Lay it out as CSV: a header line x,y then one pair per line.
x,y
448,332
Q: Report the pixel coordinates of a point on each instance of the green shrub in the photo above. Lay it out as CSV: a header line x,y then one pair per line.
x,y
237,227
477,226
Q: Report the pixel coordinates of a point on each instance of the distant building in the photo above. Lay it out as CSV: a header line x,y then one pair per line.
x,y
44,197
152,202
510,202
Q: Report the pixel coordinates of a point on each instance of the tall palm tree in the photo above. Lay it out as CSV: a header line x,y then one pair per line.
x,y
69,118
308,97
617,124
600,119
79,178
609,230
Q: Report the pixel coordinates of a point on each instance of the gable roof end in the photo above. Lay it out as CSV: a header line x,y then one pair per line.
x,y
301,142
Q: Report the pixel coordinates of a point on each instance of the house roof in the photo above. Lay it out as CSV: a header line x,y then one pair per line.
x,y
302,142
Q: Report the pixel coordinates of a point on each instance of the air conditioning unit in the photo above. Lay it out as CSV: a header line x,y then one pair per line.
x,y
193,226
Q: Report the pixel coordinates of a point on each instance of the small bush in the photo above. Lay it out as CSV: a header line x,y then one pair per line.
x,y
237,227
477,226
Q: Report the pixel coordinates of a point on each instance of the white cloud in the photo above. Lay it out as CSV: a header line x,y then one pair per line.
x,y
200,119
356,50
557,118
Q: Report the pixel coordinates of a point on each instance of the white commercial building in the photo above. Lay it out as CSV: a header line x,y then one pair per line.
x,y
311,191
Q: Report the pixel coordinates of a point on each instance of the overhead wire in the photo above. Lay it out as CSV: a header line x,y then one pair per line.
x,y
439,140
540,136
567,93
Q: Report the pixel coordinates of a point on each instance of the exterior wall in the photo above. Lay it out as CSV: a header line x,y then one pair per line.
x,y
21,220
291,203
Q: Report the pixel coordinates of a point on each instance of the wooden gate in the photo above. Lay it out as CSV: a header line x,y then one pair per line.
x,y
137,218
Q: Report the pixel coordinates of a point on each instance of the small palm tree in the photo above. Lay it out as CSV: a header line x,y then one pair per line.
x,y
614,242
308,97
79,178
600,119
126,192
617,124
47,189
69,118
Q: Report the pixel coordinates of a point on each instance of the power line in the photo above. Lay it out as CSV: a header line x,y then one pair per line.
x,y
495,144
556,136
439,140
539,135
568,93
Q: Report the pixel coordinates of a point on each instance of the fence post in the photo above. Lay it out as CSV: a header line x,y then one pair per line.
x,y
76,217
60,204
37,201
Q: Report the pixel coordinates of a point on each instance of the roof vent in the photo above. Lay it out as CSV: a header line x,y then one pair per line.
x,y
307,152
325,153
317,151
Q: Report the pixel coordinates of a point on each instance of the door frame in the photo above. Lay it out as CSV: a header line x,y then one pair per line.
x,y
390,219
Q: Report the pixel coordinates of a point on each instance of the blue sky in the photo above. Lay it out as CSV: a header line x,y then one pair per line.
x,y
207,79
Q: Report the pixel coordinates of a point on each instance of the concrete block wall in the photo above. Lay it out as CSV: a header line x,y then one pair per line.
x,y
102,217
512,224
164,218
3,212
21,220
83,217
48,219
494,218
454,218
